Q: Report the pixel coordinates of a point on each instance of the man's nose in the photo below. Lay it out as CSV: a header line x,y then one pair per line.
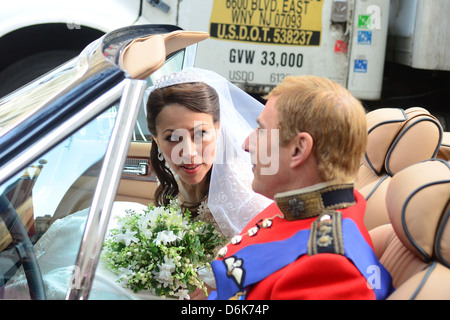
x,y
249,144
245,144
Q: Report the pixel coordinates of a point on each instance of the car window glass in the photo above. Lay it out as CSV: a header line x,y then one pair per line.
x,y
174,63
52,197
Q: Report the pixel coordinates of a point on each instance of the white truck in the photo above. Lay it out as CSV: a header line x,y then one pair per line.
x,y
385,52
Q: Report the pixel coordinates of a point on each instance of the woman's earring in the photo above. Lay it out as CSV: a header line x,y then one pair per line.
x,y
160,155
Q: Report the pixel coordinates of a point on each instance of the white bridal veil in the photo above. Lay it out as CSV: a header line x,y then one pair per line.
x,y
231,199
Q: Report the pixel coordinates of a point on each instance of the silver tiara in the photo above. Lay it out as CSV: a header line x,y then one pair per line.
x,y
177,78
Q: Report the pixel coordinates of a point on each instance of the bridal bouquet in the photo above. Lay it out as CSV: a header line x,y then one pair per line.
x,y
161,250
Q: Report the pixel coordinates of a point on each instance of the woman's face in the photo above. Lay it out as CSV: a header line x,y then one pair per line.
x,y
187,140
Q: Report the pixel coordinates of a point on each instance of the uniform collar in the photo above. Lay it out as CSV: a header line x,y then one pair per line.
x,y
312,201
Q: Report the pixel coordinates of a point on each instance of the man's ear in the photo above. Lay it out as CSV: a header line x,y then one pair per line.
x,y
301,148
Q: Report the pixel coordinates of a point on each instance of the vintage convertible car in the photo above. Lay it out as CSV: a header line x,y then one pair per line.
x,y
72,142
74,145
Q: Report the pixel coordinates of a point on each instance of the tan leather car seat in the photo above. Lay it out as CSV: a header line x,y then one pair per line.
x,y
415,248
444,150
396,139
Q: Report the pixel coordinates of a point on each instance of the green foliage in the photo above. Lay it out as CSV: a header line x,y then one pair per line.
x,y
161,250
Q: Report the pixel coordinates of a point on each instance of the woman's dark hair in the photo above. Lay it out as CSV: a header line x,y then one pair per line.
x,y
197,96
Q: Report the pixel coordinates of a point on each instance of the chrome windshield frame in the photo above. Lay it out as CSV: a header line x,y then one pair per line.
x,y
106,189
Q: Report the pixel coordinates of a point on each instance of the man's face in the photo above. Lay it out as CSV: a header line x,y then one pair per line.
x,y
270,162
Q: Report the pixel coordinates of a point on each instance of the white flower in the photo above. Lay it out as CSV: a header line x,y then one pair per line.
x,y
143,224
155,213
165,272
182,294
127,237
124,274
165,237
121,223
168,265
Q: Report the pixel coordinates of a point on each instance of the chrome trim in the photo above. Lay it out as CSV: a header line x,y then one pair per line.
x,y
140,169
106,189
60,133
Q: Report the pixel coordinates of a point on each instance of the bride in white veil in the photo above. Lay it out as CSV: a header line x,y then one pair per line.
x,y
231,200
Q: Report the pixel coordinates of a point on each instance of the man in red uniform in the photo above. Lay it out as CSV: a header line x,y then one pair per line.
x,y
311,243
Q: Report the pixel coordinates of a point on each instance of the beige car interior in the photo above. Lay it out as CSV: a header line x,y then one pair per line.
x,y
405,177
444,150
415,246
138,188
397,138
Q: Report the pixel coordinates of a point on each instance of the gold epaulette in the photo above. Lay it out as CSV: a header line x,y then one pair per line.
x,y
326,234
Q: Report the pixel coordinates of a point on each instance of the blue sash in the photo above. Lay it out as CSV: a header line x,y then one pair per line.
x,y
261,260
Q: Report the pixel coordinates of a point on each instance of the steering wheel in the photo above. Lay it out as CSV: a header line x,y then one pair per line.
x,y
24,249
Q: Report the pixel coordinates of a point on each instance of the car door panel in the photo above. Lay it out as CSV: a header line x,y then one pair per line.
x,y
137,187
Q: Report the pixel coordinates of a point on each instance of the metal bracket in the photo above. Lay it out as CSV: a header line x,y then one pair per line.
x,y
160,5
339,11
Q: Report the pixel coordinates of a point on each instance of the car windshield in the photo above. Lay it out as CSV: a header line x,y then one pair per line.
x,y
52,196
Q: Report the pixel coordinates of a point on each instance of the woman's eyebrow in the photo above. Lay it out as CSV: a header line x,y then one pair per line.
x,y
199,124
168,130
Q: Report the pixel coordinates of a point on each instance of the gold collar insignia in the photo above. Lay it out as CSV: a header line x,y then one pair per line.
x,y
312,201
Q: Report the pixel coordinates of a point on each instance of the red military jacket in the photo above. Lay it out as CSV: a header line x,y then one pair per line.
x,y
317,276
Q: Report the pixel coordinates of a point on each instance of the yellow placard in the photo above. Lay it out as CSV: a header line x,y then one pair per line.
x,y
286,22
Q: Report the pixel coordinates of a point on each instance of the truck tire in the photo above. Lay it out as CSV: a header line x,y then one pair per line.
x,y
29,68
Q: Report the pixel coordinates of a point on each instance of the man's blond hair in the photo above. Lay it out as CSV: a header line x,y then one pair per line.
x,y
331,115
